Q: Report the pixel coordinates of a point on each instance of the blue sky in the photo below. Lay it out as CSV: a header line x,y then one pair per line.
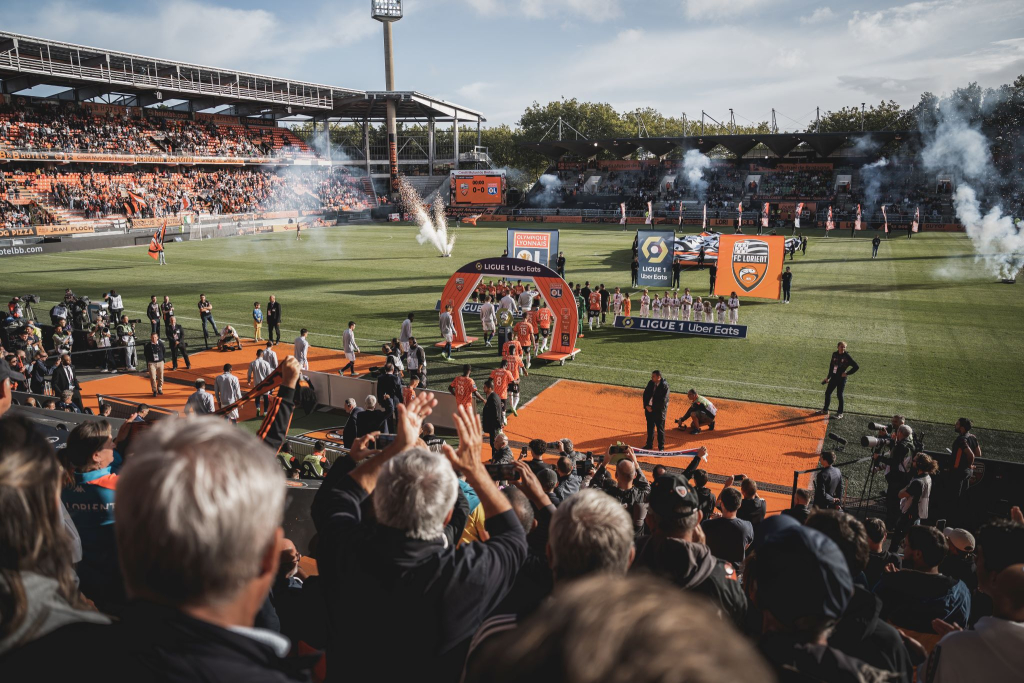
x,y
498,56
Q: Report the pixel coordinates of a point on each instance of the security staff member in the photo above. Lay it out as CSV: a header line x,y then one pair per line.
x,y
176,340
155,356
712,276
841,366
787,282
656,398
966,450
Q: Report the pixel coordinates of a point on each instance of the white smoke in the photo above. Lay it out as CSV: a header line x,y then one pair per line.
x,y
872,176
433,224
694,164
957,147
549,193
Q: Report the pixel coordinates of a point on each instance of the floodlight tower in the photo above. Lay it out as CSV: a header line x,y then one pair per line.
x,y
387,12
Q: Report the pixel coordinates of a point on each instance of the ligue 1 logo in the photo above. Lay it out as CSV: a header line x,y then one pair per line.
x,y
524,254
749,263
459,283
565,339
556,292
628,322
654,249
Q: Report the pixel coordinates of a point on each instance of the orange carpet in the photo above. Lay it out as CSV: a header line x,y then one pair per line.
x,y
765,442
209,364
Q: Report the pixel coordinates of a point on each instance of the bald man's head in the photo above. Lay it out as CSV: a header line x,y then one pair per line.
x,y
1008,593
625,471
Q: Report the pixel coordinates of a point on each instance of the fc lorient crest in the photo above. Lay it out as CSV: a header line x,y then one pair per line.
x,y
749,263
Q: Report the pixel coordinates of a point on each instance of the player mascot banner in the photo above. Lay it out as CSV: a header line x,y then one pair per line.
x,y
750,266
553,290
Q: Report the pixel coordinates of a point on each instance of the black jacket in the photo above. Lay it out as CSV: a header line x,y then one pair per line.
x,y
176,333
153,311
155,353
828,488
659,393
373,421
794,661
400,607
841,363
59,379
491,416
273,313
351,427
691,566
862,634
153,644
391,385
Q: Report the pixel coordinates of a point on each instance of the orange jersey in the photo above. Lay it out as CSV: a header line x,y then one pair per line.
x,y
464,388
512,348
627,307
544,318
515,365
501,379
518,289
595,301
524,331
408,394
531,317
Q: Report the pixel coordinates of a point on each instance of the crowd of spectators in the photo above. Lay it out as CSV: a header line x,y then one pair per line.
x,y
816,184
40,125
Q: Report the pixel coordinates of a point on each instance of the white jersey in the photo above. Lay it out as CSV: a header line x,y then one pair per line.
x,y
617,301
733,303
721,307
406,331
228,391
487,316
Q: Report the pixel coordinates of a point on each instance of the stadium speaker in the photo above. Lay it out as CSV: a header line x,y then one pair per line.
x,y
298,524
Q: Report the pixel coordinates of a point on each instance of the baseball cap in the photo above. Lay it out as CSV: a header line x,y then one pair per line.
x,y
961,539
673,497
7,372
801,572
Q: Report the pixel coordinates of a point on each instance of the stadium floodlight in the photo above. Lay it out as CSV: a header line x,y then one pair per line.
x,y
386,10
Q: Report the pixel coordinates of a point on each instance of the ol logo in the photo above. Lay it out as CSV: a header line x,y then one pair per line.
x,y
525,255
654,249
556,292
492,190
459,284
749,263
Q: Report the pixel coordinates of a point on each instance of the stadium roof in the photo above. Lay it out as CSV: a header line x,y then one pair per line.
x,y
780,144
128,79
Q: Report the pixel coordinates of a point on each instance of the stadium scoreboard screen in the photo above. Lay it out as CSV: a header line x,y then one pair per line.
x,y
477,188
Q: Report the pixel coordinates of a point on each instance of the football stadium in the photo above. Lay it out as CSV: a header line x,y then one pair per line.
x,y
750,376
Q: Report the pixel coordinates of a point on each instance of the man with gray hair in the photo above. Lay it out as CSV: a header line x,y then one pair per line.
x,y
198,524
398,579
590,533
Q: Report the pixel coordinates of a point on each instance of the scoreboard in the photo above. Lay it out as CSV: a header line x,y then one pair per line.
x,y
477,188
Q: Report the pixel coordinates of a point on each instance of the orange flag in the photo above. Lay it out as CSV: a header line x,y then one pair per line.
x,y
156,245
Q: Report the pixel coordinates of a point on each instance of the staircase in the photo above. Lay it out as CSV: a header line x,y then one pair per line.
x,y
367,184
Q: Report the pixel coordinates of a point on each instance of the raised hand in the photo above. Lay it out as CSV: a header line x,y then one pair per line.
x,y
410,418
467,458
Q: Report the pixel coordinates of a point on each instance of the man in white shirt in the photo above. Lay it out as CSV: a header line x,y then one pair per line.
x,y
270,356
507,302
116,305
403,337
228,391
349,346
302,349
526,299
734,309
259,370
488,319
200,402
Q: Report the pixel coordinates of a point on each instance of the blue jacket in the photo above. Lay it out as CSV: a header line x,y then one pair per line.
x,y
911,599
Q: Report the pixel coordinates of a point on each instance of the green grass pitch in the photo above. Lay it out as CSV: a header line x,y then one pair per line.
x,y
935,335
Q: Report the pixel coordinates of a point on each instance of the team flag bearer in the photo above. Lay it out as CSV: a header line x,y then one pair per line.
x,y
156,245
917,220
829,224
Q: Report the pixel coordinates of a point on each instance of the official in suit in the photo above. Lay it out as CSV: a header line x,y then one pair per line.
x,y
273,320
389,392
656,409
351,427
176,340
493,416
64,379
155,354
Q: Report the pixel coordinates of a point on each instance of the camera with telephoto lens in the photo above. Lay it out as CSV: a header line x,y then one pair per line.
x,y
876,442
135,321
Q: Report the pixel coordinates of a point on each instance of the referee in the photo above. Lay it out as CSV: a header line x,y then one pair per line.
x,y
839,368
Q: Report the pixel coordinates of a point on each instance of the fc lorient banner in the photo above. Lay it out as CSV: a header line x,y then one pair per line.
x,y
681,327
750,266
656,249
539,246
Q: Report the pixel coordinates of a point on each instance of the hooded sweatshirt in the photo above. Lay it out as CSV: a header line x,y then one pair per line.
x,y
692,566
47,611
912,599
862,634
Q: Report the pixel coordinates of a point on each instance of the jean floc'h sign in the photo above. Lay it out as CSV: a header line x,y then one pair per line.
x,y
682,327
656,249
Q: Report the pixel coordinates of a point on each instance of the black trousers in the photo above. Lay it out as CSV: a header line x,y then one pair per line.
x,y
655,421
175,350
836,384
712,287
675,278
154,326
785,292
274,328
633,282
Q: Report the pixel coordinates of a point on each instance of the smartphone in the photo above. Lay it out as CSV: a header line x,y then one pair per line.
x,y
599,459
616,450
940,524
739,477
384,440
503,472
526,449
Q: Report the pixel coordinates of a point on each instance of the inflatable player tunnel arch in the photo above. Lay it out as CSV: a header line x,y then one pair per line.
x,y
552,288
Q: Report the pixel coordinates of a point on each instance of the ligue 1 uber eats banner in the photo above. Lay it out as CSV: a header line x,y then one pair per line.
x,y
750,266
539,246
554,290
655,251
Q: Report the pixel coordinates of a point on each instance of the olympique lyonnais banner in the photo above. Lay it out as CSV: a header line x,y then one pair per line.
x,y
539,246
681,327
552,288
473,308
750,266
655,249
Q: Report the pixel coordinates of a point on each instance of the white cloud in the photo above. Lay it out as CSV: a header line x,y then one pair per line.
x,y
818,16
721,9
187,30
593,10
788,58
473,91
